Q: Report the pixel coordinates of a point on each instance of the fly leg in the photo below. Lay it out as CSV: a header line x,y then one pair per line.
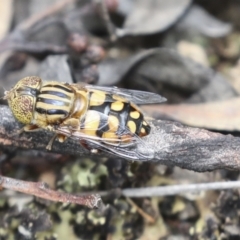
x,y
27,128
72,124
60,137
50,143
89,148
35,128
67,128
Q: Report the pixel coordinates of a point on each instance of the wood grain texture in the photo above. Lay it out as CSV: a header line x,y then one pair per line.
x,y
174,144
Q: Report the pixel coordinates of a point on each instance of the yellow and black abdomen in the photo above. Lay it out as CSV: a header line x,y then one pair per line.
x,y
112,117
53,104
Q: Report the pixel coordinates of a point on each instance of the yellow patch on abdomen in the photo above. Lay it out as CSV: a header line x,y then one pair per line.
x,y
113,123
135,114
91,123
143,131
132,126
110,137
97,98
117,106
145,123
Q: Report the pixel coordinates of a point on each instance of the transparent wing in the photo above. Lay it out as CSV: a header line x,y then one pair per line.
x,y
135,96
126,144
137,150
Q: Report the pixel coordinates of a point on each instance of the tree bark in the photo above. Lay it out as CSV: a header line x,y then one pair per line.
x,y
174,144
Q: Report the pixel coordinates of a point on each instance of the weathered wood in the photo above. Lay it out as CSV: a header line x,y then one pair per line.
x,y
174,144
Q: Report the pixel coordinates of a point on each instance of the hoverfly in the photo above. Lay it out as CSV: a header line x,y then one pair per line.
x,y
101,118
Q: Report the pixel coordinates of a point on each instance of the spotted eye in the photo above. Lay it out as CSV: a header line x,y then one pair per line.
x,y
22,107
33,82
22,98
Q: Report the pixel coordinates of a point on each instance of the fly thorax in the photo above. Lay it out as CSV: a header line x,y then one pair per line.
x,y
80,105
54,103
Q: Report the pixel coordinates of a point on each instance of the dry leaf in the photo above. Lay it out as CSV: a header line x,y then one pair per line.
x,y
168,73
148,17
6,11
193,51
198,20
222,115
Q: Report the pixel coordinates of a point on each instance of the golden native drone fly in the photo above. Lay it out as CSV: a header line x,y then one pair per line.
x,y
101,118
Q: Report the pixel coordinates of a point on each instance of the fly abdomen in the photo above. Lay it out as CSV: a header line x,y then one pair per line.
x,y
136,122
113,118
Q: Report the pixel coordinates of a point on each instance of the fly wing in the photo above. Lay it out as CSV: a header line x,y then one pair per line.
x,y
136,150
135,96
114,140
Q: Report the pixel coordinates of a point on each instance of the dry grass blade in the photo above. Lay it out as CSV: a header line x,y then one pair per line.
x,y
178,189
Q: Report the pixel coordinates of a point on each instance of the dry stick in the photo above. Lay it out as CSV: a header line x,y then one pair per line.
x,y
169,190
105,15
146,216
19,33
40,189
174,144
113,31
58,6
38,47
178,189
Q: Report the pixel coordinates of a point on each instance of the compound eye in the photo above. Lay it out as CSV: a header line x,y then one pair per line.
x,y
31,82
22,98
22,107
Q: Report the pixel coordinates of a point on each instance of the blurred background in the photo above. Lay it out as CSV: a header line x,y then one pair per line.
x,y
187,51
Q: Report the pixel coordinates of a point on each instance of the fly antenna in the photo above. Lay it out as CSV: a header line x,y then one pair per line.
x,y
6,94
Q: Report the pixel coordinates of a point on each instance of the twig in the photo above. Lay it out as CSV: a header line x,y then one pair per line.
x,y
53,9
178,189
174,144
146,216
105,15
161,191
17,38
38,47
40,189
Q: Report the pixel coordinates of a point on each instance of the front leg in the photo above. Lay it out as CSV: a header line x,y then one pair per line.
x,y
27,128
35,128
71,125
